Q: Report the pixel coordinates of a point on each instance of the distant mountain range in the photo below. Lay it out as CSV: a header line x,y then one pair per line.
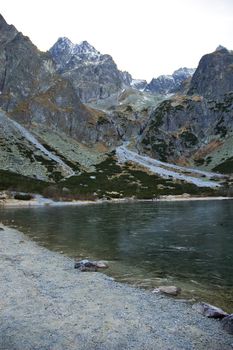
x,y
96,76
166,84
64,113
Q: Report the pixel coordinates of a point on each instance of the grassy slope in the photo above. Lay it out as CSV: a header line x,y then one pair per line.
x,y
109,180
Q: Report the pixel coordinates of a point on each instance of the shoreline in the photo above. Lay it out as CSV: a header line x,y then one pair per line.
x,y
40,201
46,303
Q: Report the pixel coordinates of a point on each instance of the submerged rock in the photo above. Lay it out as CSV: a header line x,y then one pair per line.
x,y
87,265
209,310
171,290
227,323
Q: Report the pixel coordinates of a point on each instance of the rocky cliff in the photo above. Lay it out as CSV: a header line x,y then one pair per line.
x,y
214,76
93,75
197,128
33,93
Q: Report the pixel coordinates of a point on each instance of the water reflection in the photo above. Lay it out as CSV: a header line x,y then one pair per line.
x,y
188,243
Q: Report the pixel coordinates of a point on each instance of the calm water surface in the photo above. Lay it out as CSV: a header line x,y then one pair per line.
x,y
188,244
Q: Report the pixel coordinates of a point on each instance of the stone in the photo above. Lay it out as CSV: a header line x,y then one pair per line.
x,y
92,266
209,310
170,290
227,323
3,196
1,229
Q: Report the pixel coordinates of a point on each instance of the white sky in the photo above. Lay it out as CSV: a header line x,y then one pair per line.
x,y
145,37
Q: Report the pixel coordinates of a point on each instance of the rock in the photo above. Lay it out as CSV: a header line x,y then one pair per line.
x,y
92,74
166,84
209,310
214,76
1,229
171,290
3,196
87,265
227,323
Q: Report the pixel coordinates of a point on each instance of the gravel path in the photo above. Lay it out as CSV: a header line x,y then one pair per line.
x,y
45,304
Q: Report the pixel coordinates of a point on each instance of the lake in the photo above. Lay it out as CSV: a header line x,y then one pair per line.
x,y
186,243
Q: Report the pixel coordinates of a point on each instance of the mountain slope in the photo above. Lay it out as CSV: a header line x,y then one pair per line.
x,y
197,128
22,153
33,93
214,76
93,75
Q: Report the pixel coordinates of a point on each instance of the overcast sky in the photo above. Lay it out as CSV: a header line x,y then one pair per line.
x,y
145,37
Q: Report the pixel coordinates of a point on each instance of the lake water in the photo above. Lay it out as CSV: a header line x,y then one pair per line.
x,y
187,244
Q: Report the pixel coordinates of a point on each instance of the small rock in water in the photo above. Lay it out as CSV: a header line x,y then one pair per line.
x,y
227,324
209,310
171,290
1,229
87,265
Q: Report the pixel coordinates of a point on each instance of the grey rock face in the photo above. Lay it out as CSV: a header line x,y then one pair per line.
x,y
214,75
32,92
196,128
93,75
138,84
186,127
166,84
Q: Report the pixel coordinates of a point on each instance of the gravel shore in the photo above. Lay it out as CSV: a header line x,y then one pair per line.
x,y
45,304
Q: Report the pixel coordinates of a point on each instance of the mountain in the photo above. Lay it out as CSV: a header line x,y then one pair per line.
x,y
214,76
49,137
138,84
93,75
35,95
44,105
166,84
197,128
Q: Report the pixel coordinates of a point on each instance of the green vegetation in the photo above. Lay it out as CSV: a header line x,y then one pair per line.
x,y
23,196
189,138
15,182
109,180
160,147
220,129
225,167
199,162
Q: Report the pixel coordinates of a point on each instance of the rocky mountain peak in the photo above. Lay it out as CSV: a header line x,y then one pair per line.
x,y
2,20
92,74
185,72
64,43
165,84
85,48
7,32
214,75
221,48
